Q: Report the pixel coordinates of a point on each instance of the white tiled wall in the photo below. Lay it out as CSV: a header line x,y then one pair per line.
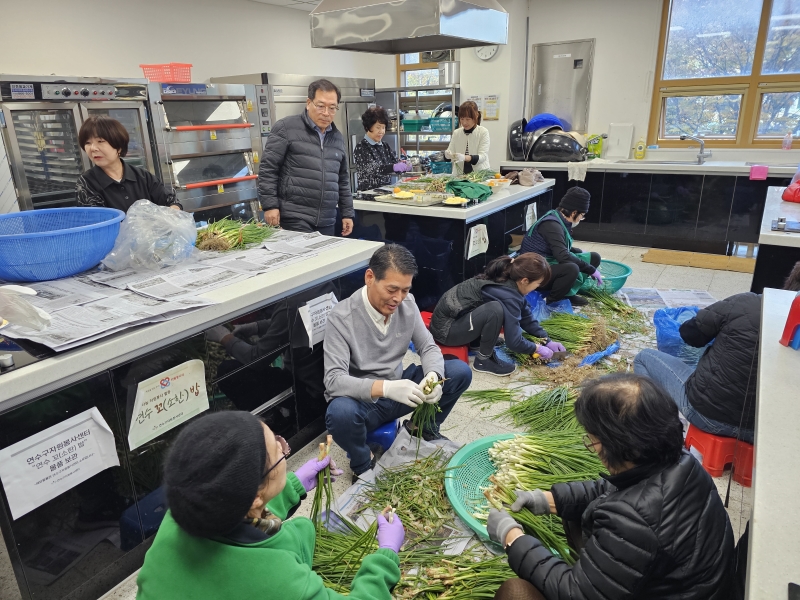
x,y
8,195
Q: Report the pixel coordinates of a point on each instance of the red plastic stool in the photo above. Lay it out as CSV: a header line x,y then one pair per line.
x,y
711,451
460,352
743,464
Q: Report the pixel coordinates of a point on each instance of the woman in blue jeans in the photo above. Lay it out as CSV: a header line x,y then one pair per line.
x,y
719,396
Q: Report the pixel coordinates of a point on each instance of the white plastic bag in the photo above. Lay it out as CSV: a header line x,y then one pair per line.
x,y
18,311
152,237
530,177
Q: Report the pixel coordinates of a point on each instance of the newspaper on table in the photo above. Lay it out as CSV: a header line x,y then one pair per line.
x,y
121,279
454,540
189,281
257,260
78,325
52,296
306,243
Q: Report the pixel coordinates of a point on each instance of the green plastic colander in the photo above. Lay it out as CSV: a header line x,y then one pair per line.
x,y
469,471
615,274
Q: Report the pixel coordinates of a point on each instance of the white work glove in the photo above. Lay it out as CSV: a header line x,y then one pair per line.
x,y
436,394
403,391
459,157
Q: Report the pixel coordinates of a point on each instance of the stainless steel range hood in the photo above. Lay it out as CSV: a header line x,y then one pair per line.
x,y
400,26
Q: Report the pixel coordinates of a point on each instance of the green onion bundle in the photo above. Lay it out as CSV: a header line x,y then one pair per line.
x,y
470,575
480,176
620,316
486,398
578,334
611,303
338,554
324,486
548,529
416,491
540,460
229,234
548,410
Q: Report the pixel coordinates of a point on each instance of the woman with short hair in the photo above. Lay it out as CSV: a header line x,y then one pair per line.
x,y
469,144
375,160
477,309
653,528
225,534
112,182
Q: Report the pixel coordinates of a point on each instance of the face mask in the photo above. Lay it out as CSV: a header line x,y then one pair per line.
x,y
574,225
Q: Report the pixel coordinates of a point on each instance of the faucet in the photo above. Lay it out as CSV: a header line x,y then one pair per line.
x,y
703,155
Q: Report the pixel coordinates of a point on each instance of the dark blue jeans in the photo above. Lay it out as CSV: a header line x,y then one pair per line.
x,y
348,420
671,373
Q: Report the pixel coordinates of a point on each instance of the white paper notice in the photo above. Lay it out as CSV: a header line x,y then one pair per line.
x,y
478,241
491,107
167,400
315,317
53,461
530,216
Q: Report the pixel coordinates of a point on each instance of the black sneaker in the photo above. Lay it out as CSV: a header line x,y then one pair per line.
x,y
492,364
377,452
577,300
428,436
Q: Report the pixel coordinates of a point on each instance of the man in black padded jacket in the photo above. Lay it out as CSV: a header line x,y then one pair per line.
x,y
653,529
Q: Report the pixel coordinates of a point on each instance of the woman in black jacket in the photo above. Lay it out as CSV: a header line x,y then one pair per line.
x,y
655,528
719,396
375,161
478,308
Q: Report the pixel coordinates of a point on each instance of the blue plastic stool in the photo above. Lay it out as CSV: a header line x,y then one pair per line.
x,y
383,435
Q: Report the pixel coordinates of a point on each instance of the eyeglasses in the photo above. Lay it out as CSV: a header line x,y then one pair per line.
x,y
326,109
285,449
587,441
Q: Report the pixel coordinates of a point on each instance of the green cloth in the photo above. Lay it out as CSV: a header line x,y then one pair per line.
x,y
179,565
583,279
467,189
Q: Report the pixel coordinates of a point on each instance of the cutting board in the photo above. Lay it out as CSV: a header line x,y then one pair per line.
x,y
619,142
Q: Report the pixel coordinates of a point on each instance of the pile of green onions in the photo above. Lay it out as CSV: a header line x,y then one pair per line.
x,y
576,333
229,234
611,303
548,410
338,554
416,491
540,460
620,316
424,416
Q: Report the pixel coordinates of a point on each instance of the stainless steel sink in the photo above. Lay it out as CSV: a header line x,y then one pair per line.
x,y
770,164
657,162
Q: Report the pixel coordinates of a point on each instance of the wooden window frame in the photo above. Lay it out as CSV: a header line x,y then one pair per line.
x,y
401,68
752,87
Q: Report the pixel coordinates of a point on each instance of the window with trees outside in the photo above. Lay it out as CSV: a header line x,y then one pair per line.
x,y
727,71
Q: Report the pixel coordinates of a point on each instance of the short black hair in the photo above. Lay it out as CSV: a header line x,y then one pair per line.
x,y
323,85
392,256
633,418
105,128
373,115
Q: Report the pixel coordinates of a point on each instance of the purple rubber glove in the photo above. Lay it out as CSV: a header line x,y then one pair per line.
x,y
555,346
307,473
544,352
401,167
597,277
390,535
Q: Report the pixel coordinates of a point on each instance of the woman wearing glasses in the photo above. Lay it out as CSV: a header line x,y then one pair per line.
x,y
375,160
654,528
226,534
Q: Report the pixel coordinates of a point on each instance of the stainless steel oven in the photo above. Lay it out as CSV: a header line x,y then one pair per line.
x,y
208,143
40,118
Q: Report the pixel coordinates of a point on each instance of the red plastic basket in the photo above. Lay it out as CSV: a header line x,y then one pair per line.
x,y
168,73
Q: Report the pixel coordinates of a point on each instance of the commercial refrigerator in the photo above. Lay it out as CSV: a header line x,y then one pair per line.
x,y
281,95
208,144
40,118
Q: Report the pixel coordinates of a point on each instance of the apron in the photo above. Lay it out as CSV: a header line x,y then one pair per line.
x,y
582,278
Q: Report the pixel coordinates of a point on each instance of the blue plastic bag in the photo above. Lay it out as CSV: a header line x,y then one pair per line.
x,y
668,338
541,310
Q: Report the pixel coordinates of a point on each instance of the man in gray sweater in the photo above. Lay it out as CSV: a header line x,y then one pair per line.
x,y
366,338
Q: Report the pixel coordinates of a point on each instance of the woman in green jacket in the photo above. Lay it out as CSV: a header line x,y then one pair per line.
x,y
224,535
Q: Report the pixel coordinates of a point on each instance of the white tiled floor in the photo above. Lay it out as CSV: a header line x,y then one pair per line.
x,y
467,423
